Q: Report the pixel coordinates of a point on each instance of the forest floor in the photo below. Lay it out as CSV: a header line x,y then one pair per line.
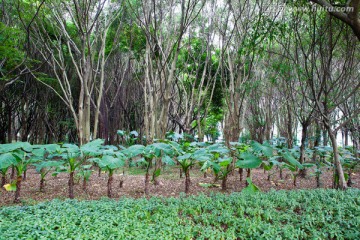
x,y
171,184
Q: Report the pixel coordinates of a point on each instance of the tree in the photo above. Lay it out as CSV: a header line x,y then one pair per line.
x,y
350,16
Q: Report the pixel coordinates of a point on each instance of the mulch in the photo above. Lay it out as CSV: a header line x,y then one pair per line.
x,y
171,185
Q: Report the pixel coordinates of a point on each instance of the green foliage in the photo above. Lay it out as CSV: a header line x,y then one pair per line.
x,y
301,214
251,188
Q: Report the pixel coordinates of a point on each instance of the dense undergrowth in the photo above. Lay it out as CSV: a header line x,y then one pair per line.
x,y
301,214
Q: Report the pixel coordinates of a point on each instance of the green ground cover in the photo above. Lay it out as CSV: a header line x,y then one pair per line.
x,y
300,214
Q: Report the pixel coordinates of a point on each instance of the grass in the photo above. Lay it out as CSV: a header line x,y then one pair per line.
x,y
301,214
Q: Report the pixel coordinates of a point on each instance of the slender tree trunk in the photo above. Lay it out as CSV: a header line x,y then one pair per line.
x,y
18,189
314,156
339,169
42,184
24,177
3,179
248,175
109,185
84,184
241,173
224,183
12,176
302,172
71,185
187,180
147,180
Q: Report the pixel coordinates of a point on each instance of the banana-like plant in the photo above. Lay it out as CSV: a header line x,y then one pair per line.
x,y
110,164
43,165
147,155
21,152
6,160
85,173
43,168
220,163
189,159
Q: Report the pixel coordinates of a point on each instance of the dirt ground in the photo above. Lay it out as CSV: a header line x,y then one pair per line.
x,y
171,185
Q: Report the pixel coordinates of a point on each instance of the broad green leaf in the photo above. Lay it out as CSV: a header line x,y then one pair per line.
x,y
157,172
291,160
6,160
168,160
265,149
111,162
134,150
250,161
47,165
251,188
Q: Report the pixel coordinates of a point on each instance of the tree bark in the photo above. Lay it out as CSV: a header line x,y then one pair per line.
x,y
42,185
224,183
241,172
187,180
3,180
339,169
18,189
302,172
84,184
147,179
71,185
109,185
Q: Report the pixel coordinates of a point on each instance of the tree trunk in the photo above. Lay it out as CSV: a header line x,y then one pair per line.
x,y
84,184
147,179
302,172
349,182
18,189
224,183
42,185
187,180
3,180
241,172
339,169
71,185
314,156
24,177
12,176
109,185
248,175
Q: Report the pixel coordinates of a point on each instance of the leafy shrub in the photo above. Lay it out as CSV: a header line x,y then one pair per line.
x,y
301,214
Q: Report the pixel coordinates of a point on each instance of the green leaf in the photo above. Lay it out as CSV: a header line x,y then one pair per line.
x,y
251,188
111,162
6,160
10,147
291,160
250,161
92,148
156,173
134,150
265,149
47,165
168,160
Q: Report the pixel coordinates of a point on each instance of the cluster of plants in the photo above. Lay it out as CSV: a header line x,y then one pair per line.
x,y
217,158
300,214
